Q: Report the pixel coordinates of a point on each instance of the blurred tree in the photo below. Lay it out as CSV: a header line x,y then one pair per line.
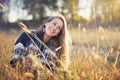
x,y
3,11
70,10
37,7
107,10
21,9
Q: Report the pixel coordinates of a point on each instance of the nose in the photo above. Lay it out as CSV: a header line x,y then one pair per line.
x,y
55,28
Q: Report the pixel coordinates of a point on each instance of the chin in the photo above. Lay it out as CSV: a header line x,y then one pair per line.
x,y
51,35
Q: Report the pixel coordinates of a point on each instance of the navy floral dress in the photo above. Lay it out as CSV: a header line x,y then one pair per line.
x,y
24,42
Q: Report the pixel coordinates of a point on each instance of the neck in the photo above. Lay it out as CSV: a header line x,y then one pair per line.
x,y
46,38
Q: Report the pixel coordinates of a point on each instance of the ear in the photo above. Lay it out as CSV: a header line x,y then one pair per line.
x,y
46,23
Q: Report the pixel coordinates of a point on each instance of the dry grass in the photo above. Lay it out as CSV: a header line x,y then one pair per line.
x,y
88,56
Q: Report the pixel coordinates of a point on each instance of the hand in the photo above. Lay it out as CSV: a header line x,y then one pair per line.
x,y
13,62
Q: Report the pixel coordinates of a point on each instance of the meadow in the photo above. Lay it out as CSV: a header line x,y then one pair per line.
x,y
88,56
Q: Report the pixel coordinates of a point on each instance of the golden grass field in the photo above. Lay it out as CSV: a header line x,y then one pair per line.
x,y
88,55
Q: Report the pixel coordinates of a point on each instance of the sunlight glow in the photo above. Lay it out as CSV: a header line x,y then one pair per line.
x,y
85,8
17,12
12,16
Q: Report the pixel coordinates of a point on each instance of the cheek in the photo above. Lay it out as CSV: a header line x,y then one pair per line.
x,y
46,28
57,32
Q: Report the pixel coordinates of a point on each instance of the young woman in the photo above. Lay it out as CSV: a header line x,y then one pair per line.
x,y
54,33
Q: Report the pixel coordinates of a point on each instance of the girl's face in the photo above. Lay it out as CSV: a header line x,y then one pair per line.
x,y
53,27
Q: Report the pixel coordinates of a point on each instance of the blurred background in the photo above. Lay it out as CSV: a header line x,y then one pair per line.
x,y
83,13
94,27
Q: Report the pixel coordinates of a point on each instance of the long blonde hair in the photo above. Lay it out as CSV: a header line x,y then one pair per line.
x,y
62,39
